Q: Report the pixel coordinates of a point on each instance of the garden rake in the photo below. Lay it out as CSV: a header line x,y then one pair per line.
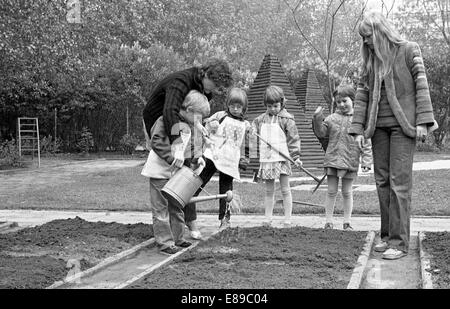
x,y
287,157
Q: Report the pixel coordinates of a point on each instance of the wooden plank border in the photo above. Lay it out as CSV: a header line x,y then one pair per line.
x,y
358,271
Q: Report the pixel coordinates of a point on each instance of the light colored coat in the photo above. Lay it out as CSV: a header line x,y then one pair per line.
x,y
287,124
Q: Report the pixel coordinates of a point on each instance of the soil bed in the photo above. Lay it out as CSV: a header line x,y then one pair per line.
x,y
437,245
261,257
37,257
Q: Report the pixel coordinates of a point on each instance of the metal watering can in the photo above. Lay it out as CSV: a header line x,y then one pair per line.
x,y
181,188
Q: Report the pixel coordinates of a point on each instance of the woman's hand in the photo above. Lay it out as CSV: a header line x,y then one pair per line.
x,y
421,133
359,139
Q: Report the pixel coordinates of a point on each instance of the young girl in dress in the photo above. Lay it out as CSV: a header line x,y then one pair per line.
x,y
277,127
228,153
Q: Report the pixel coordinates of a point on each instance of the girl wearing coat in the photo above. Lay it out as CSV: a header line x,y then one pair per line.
x,y
342,155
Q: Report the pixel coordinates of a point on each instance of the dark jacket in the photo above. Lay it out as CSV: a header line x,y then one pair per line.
x,y
167,98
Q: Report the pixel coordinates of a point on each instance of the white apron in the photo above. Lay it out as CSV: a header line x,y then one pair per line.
x,y
272,133
225,147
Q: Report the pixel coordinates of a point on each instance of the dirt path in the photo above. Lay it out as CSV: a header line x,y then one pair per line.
x,y
48,176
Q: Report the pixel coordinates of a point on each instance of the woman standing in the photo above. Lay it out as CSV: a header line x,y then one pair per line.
x,y
393,108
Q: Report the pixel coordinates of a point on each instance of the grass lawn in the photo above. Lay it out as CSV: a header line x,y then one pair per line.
x,y
126,189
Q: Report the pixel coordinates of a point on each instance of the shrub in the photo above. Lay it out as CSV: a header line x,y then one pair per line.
x,y
128,143
9,154
85,142
49,146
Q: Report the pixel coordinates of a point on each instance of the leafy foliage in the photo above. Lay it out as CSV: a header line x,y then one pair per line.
x,y
85,141
9,154
97,72
128,143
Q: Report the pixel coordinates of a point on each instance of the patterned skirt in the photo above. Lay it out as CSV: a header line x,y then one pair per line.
x,y
273,170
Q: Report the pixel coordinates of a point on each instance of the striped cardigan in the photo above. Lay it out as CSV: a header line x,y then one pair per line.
x,y
407,92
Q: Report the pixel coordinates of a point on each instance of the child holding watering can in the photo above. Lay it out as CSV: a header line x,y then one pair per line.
x,y
164,158
228,134
277,127
342,153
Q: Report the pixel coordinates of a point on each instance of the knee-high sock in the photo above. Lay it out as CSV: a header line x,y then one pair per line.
x,y
269,198
347,196
287,196
331,197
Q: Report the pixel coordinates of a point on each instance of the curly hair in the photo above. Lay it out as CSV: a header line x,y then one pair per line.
x,y
218,71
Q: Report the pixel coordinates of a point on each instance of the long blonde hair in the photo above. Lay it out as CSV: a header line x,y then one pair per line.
x,y
386,40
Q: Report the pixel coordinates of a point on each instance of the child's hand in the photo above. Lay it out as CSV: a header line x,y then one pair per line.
x,y
214,126
199,166
252,130
201,128
176,164
208,142
298,162
318,110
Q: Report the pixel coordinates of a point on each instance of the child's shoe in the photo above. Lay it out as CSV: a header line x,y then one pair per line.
x,y
347,227
267,223
328,226
184,244
224,224
287,223
196,235
170,250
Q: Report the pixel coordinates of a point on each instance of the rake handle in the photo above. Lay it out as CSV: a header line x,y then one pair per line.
x,y
288,158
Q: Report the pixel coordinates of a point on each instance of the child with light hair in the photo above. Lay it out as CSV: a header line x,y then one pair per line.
x,y
164,159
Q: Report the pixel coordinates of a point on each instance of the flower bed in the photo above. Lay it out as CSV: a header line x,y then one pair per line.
x,y
437,245
264,258
37,257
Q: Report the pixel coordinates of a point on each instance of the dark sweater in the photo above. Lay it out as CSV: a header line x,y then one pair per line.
x,y
167,98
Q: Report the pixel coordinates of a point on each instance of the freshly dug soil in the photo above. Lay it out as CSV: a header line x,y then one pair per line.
x,y
264,258
37,257
437,245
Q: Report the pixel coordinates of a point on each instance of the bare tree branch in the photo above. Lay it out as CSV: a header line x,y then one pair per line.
x,y
444,11
390,10
333,19
441,29
294,11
